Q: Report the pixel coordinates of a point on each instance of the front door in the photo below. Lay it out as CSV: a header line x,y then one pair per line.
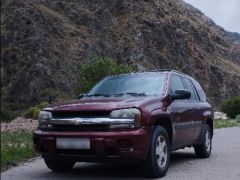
x,y
183,123
182,112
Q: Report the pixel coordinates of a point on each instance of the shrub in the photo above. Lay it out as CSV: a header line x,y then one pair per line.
x,y
42,105
8,109
238,118
231,107
33,112
89,74
6,114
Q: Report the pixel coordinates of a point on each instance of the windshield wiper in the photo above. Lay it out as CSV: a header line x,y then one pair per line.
x,y
119,94
130,93
96,95
136,94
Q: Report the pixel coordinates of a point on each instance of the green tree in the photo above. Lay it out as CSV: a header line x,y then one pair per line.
x,y
90,73
231,107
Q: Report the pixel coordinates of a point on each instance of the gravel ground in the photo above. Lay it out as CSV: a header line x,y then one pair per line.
x,y
224,164
19,123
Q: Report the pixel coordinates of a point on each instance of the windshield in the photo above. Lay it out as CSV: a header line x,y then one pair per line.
x,y
132,84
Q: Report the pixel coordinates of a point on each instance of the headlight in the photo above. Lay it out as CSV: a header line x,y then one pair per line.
x,y
43,119
128,114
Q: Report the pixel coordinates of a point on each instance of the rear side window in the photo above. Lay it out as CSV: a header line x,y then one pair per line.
x,y
176,83
200,91
189,87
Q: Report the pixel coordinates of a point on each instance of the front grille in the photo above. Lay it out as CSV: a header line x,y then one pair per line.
x,y
83,114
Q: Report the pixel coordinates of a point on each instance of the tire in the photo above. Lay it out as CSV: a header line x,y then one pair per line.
x,y
204,149
59,166
159,153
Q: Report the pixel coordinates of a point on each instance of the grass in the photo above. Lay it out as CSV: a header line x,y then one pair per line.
x,y
15,147
223,123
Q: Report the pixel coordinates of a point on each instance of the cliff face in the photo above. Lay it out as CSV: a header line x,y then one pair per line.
x,y
44,40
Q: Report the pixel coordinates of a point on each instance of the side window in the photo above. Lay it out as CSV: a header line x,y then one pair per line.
x,y
189,87
200,91
176,83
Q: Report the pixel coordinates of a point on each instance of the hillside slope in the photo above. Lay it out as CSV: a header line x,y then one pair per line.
x,y
44,40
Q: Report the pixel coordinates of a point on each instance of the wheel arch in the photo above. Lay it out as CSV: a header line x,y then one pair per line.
x,y
209,121
166,123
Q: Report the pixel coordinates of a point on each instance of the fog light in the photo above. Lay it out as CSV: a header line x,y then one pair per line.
x,y
118,126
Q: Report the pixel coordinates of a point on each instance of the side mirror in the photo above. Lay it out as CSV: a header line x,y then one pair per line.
x,y
181,94
81,96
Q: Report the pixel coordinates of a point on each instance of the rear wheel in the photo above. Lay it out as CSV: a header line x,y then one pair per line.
x,y
59,166
159,155
204,149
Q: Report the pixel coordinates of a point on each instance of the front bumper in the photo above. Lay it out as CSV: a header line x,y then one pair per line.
x,y
104,145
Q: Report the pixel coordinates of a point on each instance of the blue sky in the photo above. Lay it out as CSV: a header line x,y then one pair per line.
x,y
225,13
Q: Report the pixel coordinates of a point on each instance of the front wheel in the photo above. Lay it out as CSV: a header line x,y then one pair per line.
x,y
204,149
59,166
159,155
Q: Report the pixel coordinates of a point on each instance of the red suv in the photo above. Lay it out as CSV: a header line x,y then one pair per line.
x,y
138,117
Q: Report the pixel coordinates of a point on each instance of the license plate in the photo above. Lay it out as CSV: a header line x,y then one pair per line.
x,y
73,143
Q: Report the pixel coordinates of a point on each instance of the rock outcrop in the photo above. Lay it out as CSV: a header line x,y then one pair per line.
x,y
43,41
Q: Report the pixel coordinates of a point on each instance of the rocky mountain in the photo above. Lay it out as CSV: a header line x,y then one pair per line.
x,y
235,36
43,41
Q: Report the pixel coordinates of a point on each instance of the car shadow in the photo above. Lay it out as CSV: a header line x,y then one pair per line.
x,y
119,171
179,158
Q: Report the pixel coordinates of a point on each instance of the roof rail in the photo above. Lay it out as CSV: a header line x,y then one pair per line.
x,y
179,72
155,70
161,70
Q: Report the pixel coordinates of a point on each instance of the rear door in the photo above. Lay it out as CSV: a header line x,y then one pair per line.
x,y
203,109
194,104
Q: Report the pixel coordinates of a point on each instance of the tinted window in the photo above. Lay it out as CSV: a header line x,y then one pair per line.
x,y
150,84
176,83
189,87
200,91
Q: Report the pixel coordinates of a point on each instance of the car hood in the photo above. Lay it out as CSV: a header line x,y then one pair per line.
x,y
103,104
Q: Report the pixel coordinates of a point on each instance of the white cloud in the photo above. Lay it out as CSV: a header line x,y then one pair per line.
x,y
225,13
